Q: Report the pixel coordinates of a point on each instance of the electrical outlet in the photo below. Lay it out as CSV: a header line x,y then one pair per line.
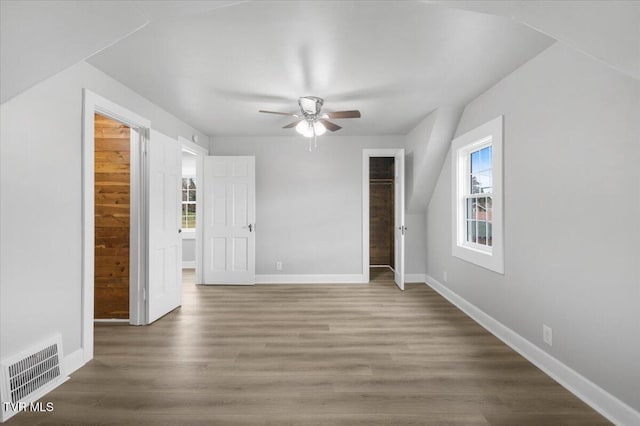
x,y
444,276
547,335
278,266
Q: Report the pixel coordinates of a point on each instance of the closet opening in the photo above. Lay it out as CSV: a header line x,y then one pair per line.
x,y
381,212
112,214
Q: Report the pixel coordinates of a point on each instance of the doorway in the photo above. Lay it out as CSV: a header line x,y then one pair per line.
x,y
112,192
97,107
188,221
381,212
192,218
379,187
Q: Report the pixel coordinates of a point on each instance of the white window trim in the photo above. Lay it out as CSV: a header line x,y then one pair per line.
x,y
491,258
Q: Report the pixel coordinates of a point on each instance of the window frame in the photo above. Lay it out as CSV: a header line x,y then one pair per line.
x,y
489,257
188,232
467,194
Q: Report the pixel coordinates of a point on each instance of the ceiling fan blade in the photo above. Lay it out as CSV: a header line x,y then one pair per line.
x,y
329,125
343,114
290,125
279,113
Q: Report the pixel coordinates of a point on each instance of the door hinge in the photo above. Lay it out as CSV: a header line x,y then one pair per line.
x,y
144,294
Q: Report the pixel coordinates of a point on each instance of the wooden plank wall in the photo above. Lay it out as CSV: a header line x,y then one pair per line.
x,y
112,227
381,211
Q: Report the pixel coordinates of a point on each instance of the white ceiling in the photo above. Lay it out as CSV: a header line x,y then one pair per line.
x,y
608,30
394,61
41,38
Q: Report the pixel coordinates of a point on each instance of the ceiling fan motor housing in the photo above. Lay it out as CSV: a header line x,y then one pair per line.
x,y
310,105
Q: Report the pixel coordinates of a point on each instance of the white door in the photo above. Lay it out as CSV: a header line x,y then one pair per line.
x,y
229,220
164,292
399,219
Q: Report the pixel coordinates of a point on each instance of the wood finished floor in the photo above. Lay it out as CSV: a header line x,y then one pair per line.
x,y
309,355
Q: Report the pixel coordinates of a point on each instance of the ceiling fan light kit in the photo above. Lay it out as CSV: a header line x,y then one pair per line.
x,y
309,128
313,123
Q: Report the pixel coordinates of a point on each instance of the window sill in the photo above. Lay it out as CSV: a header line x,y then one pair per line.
x,y
486,259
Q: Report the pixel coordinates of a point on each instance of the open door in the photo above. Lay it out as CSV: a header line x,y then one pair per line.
x,y
229,220
399,229
164,164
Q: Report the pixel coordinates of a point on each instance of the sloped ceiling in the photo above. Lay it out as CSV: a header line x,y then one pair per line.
x,y
394,61
215,63
39,38
609,30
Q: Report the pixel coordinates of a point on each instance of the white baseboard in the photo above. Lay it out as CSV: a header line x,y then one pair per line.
x,y
111,321
73,361
599,399
310,279
414,278
188,264
325,278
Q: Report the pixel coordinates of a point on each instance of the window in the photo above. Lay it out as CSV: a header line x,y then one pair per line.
x,y
477,196
188,203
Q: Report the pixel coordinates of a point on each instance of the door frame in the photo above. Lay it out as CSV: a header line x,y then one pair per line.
x,y
366,155
200,152
94,103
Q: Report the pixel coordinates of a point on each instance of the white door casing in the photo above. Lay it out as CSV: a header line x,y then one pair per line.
x,y
93,103
200,154
399,223
164,160
399,229
229,220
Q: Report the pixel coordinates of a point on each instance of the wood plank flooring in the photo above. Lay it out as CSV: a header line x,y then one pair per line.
x,y
309,355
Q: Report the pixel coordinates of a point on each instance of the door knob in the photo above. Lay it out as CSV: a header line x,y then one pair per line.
x,y
250,228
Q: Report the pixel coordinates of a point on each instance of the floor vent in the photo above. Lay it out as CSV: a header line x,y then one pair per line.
x,y
31,374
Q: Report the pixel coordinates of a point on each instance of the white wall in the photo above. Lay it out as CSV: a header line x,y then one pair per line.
x,y
415,245
309,205
427,145
188,251
572,169
40,203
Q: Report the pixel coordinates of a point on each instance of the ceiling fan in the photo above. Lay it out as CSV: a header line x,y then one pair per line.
x,y
311,121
